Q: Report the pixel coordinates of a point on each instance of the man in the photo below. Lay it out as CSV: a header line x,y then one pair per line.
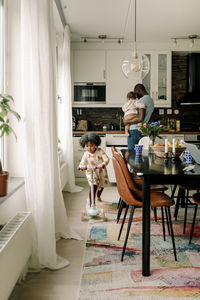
x,y
144,115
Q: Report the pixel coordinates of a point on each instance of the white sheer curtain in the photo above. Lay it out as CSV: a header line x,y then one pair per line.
x,y
65,114
42,180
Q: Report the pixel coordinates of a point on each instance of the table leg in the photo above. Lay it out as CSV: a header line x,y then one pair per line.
x,y
146,227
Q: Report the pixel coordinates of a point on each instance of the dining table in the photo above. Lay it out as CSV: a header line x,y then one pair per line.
x,y
157,170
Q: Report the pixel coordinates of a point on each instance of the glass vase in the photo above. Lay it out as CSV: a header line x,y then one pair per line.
x,y
152,142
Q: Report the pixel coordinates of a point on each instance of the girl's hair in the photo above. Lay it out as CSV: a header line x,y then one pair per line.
x,y
93,138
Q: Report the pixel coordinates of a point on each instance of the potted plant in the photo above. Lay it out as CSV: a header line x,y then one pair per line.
x,y
152,130
5,129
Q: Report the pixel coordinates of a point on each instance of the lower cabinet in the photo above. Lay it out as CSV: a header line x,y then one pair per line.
x,y
178,137
78,153
120,142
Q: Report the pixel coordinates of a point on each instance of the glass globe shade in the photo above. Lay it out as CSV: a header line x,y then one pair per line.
x,y
134,65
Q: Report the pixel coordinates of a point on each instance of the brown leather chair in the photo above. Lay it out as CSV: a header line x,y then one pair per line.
x,y
133,198
138,183
196,201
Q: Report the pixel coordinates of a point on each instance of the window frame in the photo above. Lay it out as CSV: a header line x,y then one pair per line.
x,y
2,67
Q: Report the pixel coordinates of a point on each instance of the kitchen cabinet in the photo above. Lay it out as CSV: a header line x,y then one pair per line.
x,y
120,142
117,85
78,153
158,80
89,65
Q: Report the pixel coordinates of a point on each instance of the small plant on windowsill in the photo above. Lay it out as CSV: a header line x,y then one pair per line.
x,y
6,102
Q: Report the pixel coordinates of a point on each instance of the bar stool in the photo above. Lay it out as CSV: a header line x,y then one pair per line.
x,y
183,194
196,200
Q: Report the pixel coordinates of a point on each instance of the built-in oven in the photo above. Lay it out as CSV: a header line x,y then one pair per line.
x,y
90,92
192,139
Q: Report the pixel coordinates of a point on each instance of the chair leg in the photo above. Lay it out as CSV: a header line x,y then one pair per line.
x,y
173,191
127,232
121,206
177,204
163,223
119,202
122,225
185,216
193,222
155,213
172,233
167,219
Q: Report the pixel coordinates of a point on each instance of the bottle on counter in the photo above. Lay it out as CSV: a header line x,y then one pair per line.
x,y
168,125
178,125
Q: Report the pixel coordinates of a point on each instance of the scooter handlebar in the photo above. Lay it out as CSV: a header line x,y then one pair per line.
x,y
90,168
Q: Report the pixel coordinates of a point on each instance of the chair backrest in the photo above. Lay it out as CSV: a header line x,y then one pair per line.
x,y
145,141
122,185
123,165
130,181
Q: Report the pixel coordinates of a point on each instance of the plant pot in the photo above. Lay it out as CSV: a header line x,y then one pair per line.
x,y
3,184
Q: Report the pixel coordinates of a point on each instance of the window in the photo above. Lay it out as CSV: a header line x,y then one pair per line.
x,y
1,64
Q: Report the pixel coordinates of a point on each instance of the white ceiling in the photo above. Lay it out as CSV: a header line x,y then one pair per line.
x,y
157,20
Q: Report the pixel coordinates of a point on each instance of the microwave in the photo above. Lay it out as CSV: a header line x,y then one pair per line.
x,y
90,92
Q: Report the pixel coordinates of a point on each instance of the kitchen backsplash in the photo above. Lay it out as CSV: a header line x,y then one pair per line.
x,y
99,117
112,117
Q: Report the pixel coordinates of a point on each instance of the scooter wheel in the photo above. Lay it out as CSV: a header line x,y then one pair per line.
x,y
83,216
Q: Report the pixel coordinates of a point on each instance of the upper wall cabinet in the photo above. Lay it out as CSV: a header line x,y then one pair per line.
x,y
158,80
89,66
117,85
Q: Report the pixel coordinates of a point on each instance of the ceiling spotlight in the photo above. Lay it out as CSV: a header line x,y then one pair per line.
x,y
174,43
84,40
191,44
102,36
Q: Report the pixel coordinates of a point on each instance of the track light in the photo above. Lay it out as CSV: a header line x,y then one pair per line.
x,y
191,38
103,38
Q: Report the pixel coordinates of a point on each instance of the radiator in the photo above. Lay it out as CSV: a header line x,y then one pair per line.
x,y
15,250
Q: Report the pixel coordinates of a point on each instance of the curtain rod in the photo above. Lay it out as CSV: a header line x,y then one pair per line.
x,y
60,11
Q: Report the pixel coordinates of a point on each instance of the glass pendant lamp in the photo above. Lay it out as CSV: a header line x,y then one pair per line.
x,y
135,64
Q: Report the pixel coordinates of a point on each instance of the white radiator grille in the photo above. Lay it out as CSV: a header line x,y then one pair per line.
x,y
9,230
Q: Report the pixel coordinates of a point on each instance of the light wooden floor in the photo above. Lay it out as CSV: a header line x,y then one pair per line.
x,y
63,284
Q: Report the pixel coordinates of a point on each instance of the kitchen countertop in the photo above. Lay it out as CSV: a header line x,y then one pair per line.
x,y
122,132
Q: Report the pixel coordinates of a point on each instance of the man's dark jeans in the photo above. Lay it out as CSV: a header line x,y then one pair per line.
x,y
133,138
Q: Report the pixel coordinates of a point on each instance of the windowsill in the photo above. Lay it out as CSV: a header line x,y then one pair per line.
x,y
14,183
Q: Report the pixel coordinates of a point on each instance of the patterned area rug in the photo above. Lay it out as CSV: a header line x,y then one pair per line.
x,y
106,277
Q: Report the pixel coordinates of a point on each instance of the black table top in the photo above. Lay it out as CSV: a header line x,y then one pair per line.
x,y
149,164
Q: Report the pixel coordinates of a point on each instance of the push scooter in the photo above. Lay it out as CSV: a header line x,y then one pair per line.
x,y
92,210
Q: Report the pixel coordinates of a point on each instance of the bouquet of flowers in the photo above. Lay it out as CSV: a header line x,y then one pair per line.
x,y
152,130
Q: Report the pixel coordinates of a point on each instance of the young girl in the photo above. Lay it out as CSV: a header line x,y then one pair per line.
x,y
95,157
130,109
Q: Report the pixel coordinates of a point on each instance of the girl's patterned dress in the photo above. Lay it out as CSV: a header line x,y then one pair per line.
x,y
100,176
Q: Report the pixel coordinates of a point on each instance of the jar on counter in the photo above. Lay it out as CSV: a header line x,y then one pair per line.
x,y
104,128
178,125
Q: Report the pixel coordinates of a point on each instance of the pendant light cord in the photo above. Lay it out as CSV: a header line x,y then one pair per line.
x,y
135,22
128,11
